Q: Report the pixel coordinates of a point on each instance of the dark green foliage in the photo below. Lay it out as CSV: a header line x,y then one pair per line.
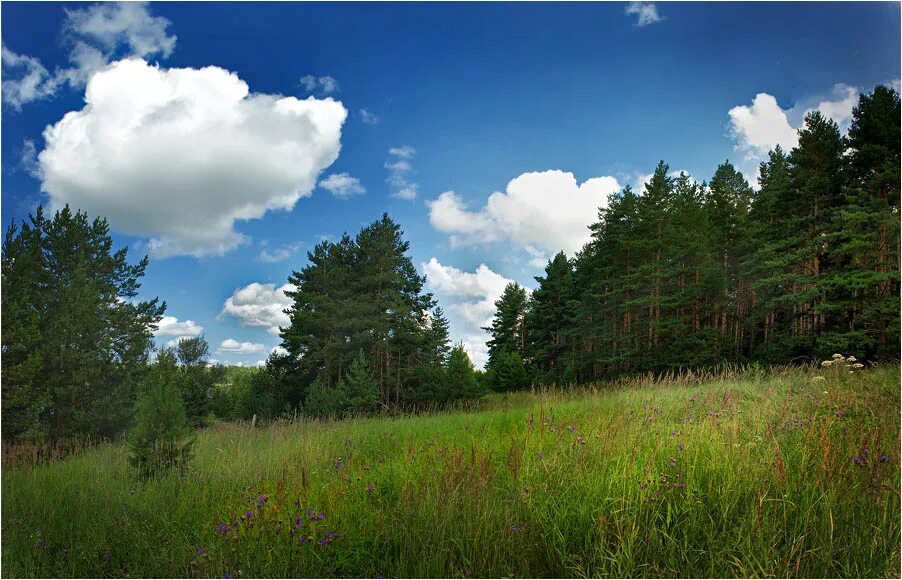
x,y
689,275
549,315
363,294
360,393
159,440
324,401
197,379
509,373
460,378
74,340
508,330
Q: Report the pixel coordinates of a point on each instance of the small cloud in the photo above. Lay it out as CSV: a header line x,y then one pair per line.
x,y
171,326
404,152
342,185
279,350
232,346
369,118
324,85
399,170
646,12
28,159
280,253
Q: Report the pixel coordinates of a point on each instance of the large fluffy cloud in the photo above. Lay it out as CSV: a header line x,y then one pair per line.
x,y
260,305
470,301
178,155
547,210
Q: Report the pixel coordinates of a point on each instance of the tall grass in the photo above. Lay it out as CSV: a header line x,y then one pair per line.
x,y
747,473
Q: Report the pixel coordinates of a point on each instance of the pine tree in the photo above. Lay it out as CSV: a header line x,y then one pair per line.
x,y
159,439
75,341
197,379
460,376
547,319
360,392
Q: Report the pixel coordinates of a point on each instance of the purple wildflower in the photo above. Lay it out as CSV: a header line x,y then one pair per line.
x,y
884,459
310,512
201,551
298,522
857,460
320,516
249,515
681,446
643,485
262,499
223,528
541,455
839,414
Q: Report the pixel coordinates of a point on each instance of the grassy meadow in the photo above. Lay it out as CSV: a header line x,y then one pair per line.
x,y
786,473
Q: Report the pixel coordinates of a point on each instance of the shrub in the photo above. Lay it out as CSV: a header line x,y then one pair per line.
x,y
323,401
159,440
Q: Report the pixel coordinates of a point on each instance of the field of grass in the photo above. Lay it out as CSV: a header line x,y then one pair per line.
x,y
775,473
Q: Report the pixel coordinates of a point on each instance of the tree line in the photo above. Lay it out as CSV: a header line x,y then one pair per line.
x,y
687,274
680,275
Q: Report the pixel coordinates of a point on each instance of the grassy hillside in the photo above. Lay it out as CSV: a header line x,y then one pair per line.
x,y
763,474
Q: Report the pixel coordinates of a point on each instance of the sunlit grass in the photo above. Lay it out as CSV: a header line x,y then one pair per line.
x,y
748,474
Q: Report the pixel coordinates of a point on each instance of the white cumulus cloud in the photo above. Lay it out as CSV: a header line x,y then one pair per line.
x,y
179,155
342,185
172,326
547,210
259,305
232,346
761,127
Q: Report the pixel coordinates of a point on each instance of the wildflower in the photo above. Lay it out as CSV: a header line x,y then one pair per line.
x,y
837,356
839,414
570,428
541,455
681,446
299,522
643,485
370,488
320,516
857,366
249,515
262,499
680,485
38,544
223,528
818,378
201,551
278,529
857,461
851,359
310,512
884,459
827,363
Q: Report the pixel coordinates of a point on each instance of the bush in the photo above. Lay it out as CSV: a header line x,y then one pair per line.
x,y
159,440
323,401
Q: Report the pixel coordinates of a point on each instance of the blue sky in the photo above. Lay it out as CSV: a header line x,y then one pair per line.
x,y
227,139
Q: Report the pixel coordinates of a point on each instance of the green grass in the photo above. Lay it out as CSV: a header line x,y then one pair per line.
x,y
542,484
